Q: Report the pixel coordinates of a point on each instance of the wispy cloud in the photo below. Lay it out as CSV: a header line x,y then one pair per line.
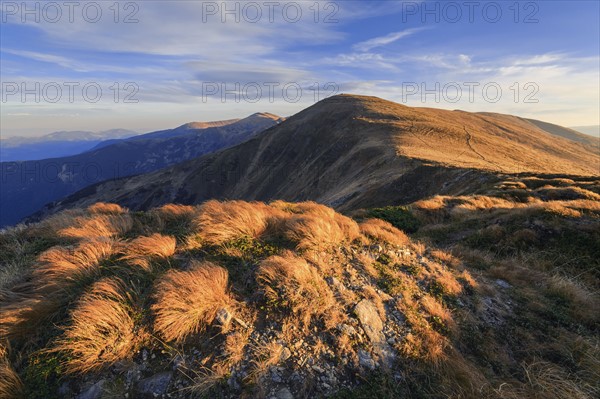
x,y
370,44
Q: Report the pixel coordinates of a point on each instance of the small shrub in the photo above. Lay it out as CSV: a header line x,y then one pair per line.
x,y
398,216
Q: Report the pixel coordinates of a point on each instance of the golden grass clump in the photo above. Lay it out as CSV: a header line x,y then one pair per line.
x,y
320,231
102,330
447,282
220,222
423,342
98,226
446,258
140,251
289,282
10,383
187,302
52,224
60,265
383,231
104,208
436,309
22,314
175,211
545,380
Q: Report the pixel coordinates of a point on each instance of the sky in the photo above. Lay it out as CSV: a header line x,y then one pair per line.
x,y
150,65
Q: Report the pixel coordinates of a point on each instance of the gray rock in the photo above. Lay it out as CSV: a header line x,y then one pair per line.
x,y
276,375
346,329
365,360
93,392
502,284
223,317
366,311
64,390
178,361
157,384
284,393
318,369
285,354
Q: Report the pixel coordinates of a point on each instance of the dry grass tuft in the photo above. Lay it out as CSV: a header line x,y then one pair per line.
x,y
142,250
235,344
175,211
220,222
289,282
436,309
187,302
10,383
106,209
583,303
320,230
545,380
59,265
383,231
265,356
102,330
22,314
446,258
98,226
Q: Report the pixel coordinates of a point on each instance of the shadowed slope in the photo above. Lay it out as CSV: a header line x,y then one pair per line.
x,y
355,151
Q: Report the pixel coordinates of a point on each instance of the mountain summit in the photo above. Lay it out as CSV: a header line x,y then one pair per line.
x,y
353,151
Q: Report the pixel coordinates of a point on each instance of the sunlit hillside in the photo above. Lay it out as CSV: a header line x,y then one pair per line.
x,y
481,296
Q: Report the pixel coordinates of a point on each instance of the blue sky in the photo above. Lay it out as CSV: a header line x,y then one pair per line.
x,y
176,59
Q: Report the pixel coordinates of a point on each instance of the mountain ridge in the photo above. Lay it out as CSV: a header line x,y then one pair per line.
x,y
27,186
353,151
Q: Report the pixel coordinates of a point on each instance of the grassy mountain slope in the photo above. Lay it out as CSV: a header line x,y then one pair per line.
x,y
355,151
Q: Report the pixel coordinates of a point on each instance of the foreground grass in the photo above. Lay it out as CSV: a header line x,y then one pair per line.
x,y
493,295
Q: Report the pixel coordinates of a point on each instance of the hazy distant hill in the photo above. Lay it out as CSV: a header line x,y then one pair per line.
x,y
355,151
27,186
592,130
57,144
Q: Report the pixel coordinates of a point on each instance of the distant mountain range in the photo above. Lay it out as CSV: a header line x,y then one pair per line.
x,y
354,151
57,144
27,186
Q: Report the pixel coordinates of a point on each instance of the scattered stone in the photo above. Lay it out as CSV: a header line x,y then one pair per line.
x,y
223,317
93,392
346,329
284,393
502,284
276,375
318,369
156,385
64,390
365,360
285,354
178,361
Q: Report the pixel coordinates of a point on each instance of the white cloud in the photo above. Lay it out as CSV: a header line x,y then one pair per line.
x,y
370,44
